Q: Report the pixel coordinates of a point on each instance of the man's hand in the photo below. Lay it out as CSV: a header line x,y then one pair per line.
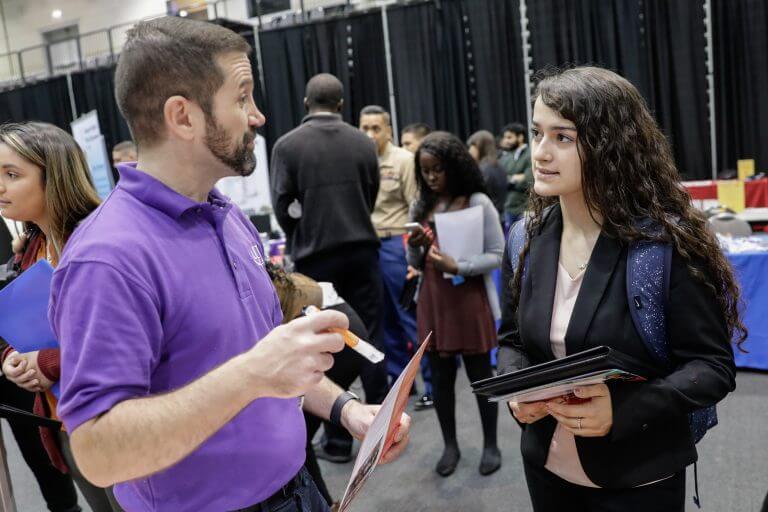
x,y
593,418
357,418
294,357
16,369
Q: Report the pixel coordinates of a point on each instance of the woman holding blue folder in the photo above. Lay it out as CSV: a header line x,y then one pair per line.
x,y
44,183
602,170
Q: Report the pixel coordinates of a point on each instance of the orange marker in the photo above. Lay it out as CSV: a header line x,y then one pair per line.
x,y
360,346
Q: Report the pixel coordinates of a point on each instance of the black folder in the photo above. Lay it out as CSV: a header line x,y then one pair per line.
x,y
582,364
13,414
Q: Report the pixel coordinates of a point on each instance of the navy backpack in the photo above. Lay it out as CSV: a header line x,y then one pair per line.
x,y
648,269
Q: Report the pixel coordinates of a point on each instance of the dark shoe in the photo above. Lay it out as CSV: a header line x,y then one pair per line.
x,y
448,462
490,461
331,456
425,402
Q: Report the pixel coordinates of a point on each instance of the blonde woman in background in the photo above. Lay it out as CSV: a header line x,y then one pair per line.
x,y
44,183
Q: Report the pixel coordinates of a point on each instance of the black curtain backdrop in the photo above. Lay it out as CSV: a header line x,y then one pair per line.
x,y
457,65
740,45
675,39
498,60
600,32
94,89
656,44
46,101
429,66
351,48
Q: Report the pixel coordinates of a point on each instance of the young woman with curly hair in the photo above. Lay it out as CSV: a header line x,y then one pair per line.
x,y
458,312
602,170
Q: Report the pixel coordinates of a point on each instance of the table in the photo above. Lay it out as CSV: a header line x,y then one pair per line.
x,y
755,191
752,273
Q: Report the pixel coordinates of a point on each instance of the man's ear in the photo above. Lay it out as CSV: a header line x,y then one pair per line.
x,y
340,105
306,104
180,117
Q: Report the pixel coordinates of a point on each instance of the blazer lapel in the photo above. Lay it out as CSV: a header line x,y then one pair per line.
x,y
601,266
542,271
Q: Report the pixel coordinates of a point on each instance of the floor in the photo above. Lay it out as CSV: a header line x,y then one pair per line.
x,y
733,467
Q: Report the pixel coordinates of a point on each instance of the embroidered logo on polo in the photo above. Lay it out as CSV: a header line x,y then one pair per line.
x,y
256,255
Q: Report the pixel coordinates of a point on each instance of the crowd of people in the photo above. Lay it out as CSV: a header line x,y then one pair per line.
x,y
183,351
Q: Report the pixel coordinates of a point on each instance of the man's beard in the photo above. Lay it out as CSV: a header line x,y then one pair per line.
x,y
241,159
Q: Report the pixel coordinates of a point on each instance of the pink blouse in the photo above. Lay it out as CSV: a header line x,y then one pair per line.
x,y
563,459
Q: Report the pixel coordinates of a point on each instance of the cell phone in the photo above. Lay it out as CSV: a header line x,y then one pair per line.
x,y
413,227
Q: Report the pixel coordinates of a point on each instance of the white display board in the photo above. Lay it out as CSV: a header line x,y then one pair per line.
x,y
87,133
251,193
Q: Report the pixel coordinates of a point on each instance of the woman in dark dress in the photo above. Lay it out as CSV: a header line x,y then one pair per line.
x,y
459,311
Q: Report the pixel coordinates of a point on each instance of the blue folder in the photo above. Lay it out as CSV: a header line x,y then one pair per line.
x,y
24,311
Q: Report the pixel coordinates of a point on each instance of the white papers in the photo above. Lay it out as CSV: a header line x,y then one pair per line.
x,y
460,233
381,433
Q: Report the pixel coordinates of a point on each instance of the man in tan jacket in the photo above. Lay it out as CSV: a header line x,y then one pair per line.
x,y
397,190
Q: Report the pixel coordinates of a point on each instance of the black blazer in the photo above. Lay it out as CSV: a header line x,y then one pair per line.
x,y
650,438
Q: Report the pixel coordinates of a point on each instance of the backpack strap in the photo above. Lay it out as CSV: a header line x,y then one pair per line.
x,y
649,265
648,273
518,235
516,243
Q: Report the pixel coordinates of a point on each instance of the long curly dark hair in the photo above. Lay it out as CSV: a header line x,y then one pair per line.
x,y
462,174
628,174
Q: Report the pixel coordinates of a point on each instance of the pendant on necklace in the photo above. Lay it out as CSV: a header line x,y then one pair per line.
x,y
582,266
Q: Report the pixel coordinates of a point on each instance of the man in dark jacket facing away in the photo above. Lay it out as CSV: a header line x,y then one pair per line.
x,y
324,181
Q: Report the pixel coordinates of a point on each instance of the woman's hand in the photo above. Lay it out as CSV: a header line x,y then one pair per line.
x,y
17,246
412,272
442,261
15,369
529,412
419,238
43,383
593,418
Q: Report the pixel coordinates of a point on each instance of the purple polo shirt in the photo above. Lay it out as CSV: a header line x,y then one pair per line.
x,y
154,291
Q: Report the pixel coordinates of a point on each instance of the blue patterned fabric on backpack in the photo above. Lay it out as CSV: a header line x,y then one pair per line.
x,y
648,269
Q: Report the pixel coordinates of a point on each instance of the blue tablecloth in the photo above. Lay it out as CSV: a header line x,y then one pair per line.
x,y
752,273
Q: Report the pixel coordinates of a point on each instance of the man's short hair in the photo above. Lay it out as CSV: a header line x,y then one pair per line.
x,y
165,57
126,145
325,91
420,130
375,110
516,128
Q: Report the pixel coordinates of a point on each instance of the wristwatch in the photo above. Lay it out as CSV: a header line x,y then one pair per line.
x,y
339,404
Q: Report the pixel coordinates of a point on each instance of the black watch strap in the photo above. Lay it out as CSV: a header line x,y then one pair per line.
x,y
338,405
